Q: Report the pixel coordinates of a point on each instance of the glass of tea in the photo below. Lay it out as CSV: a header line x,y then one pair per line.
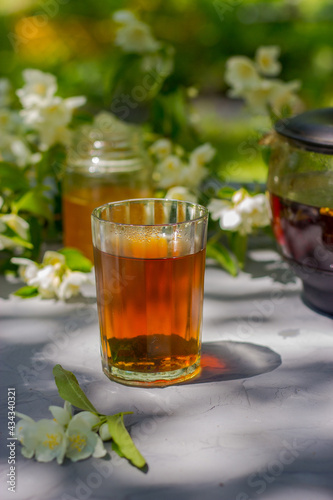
x,y
300,183
149,259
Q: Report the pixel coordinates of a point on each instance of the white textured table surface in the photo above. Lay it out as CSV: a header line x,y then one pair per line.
x,y
257,425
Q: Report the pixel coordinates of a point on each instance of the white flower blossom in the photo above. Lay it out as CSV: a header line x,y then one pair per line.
x,y
124,16
62,415
27,268
254,211
39,88
46,439
5,92
17,224
8,243
14,149
71,284
193,174
134,36
259,97
10,121
50,119
53,258
82,440
243,213
161,148
266,60
170,171
180,193
241,74
51,441
275,94
74,437
283,96
52,278
47,280
47,277
25,431
202,154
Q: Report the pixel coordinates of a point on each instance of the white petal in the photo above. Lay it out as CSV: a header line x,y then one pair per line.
x,y
26,433
52,258
27,452
60,414
24,417
86,419
99,450
230,220
124,16
75,102
180,193
218,207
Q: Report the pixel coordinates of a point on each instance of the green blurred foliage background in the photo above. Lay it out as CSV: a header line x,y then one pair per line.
x,y
74,40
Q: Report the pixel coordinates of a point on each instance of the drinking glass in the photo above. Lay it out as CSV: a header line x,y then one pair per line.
x,y
150,261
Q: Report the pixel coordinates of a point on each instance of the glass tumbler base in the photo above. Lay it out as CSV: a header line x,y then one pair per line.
x,y
159,379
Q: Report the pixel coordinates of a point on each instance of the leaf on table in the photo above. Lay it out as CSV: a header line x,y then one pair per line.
x,y
27,292
218,252
70,390
76,261
122,441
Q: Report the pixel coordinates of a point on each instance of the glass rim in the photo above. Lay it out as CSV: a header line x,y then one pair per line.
x,y
167,224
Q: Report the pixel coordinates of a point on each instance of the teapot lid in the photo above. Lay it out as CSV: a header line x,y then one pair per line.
x,y
312,130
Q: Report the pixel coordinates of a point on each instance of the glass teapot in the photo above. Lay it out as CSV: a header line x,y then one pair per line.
x,y
300,183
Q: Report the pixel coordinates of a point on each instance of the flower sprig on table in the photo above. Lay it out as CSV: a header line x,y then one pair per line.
x,y
75,437
60,275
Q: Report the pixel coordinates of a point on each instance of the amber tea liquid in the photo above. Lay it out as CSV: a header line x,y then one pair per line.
x,y
150,312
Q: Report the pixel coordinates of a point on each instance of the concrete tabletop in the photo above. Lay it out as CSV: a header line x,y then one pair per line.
x,y
257,423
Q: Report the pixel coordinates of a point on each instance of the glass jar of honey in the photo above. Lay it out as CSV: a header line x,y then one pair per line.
x,y
106,163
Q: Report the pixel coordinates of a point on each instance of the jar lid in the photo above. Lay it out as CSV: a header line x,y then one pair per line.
x,y
106,145
312,130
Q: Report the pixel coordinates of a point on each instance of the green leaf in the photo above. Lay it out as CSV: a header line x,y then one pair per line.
x,y
238,245
226,192
12,177
17,240
26,292
123,443
218,252
70,390
75,260
34,202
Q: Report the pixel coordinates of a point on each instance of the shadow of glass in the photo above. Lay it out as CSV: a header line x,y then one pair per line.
x,y
227,360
